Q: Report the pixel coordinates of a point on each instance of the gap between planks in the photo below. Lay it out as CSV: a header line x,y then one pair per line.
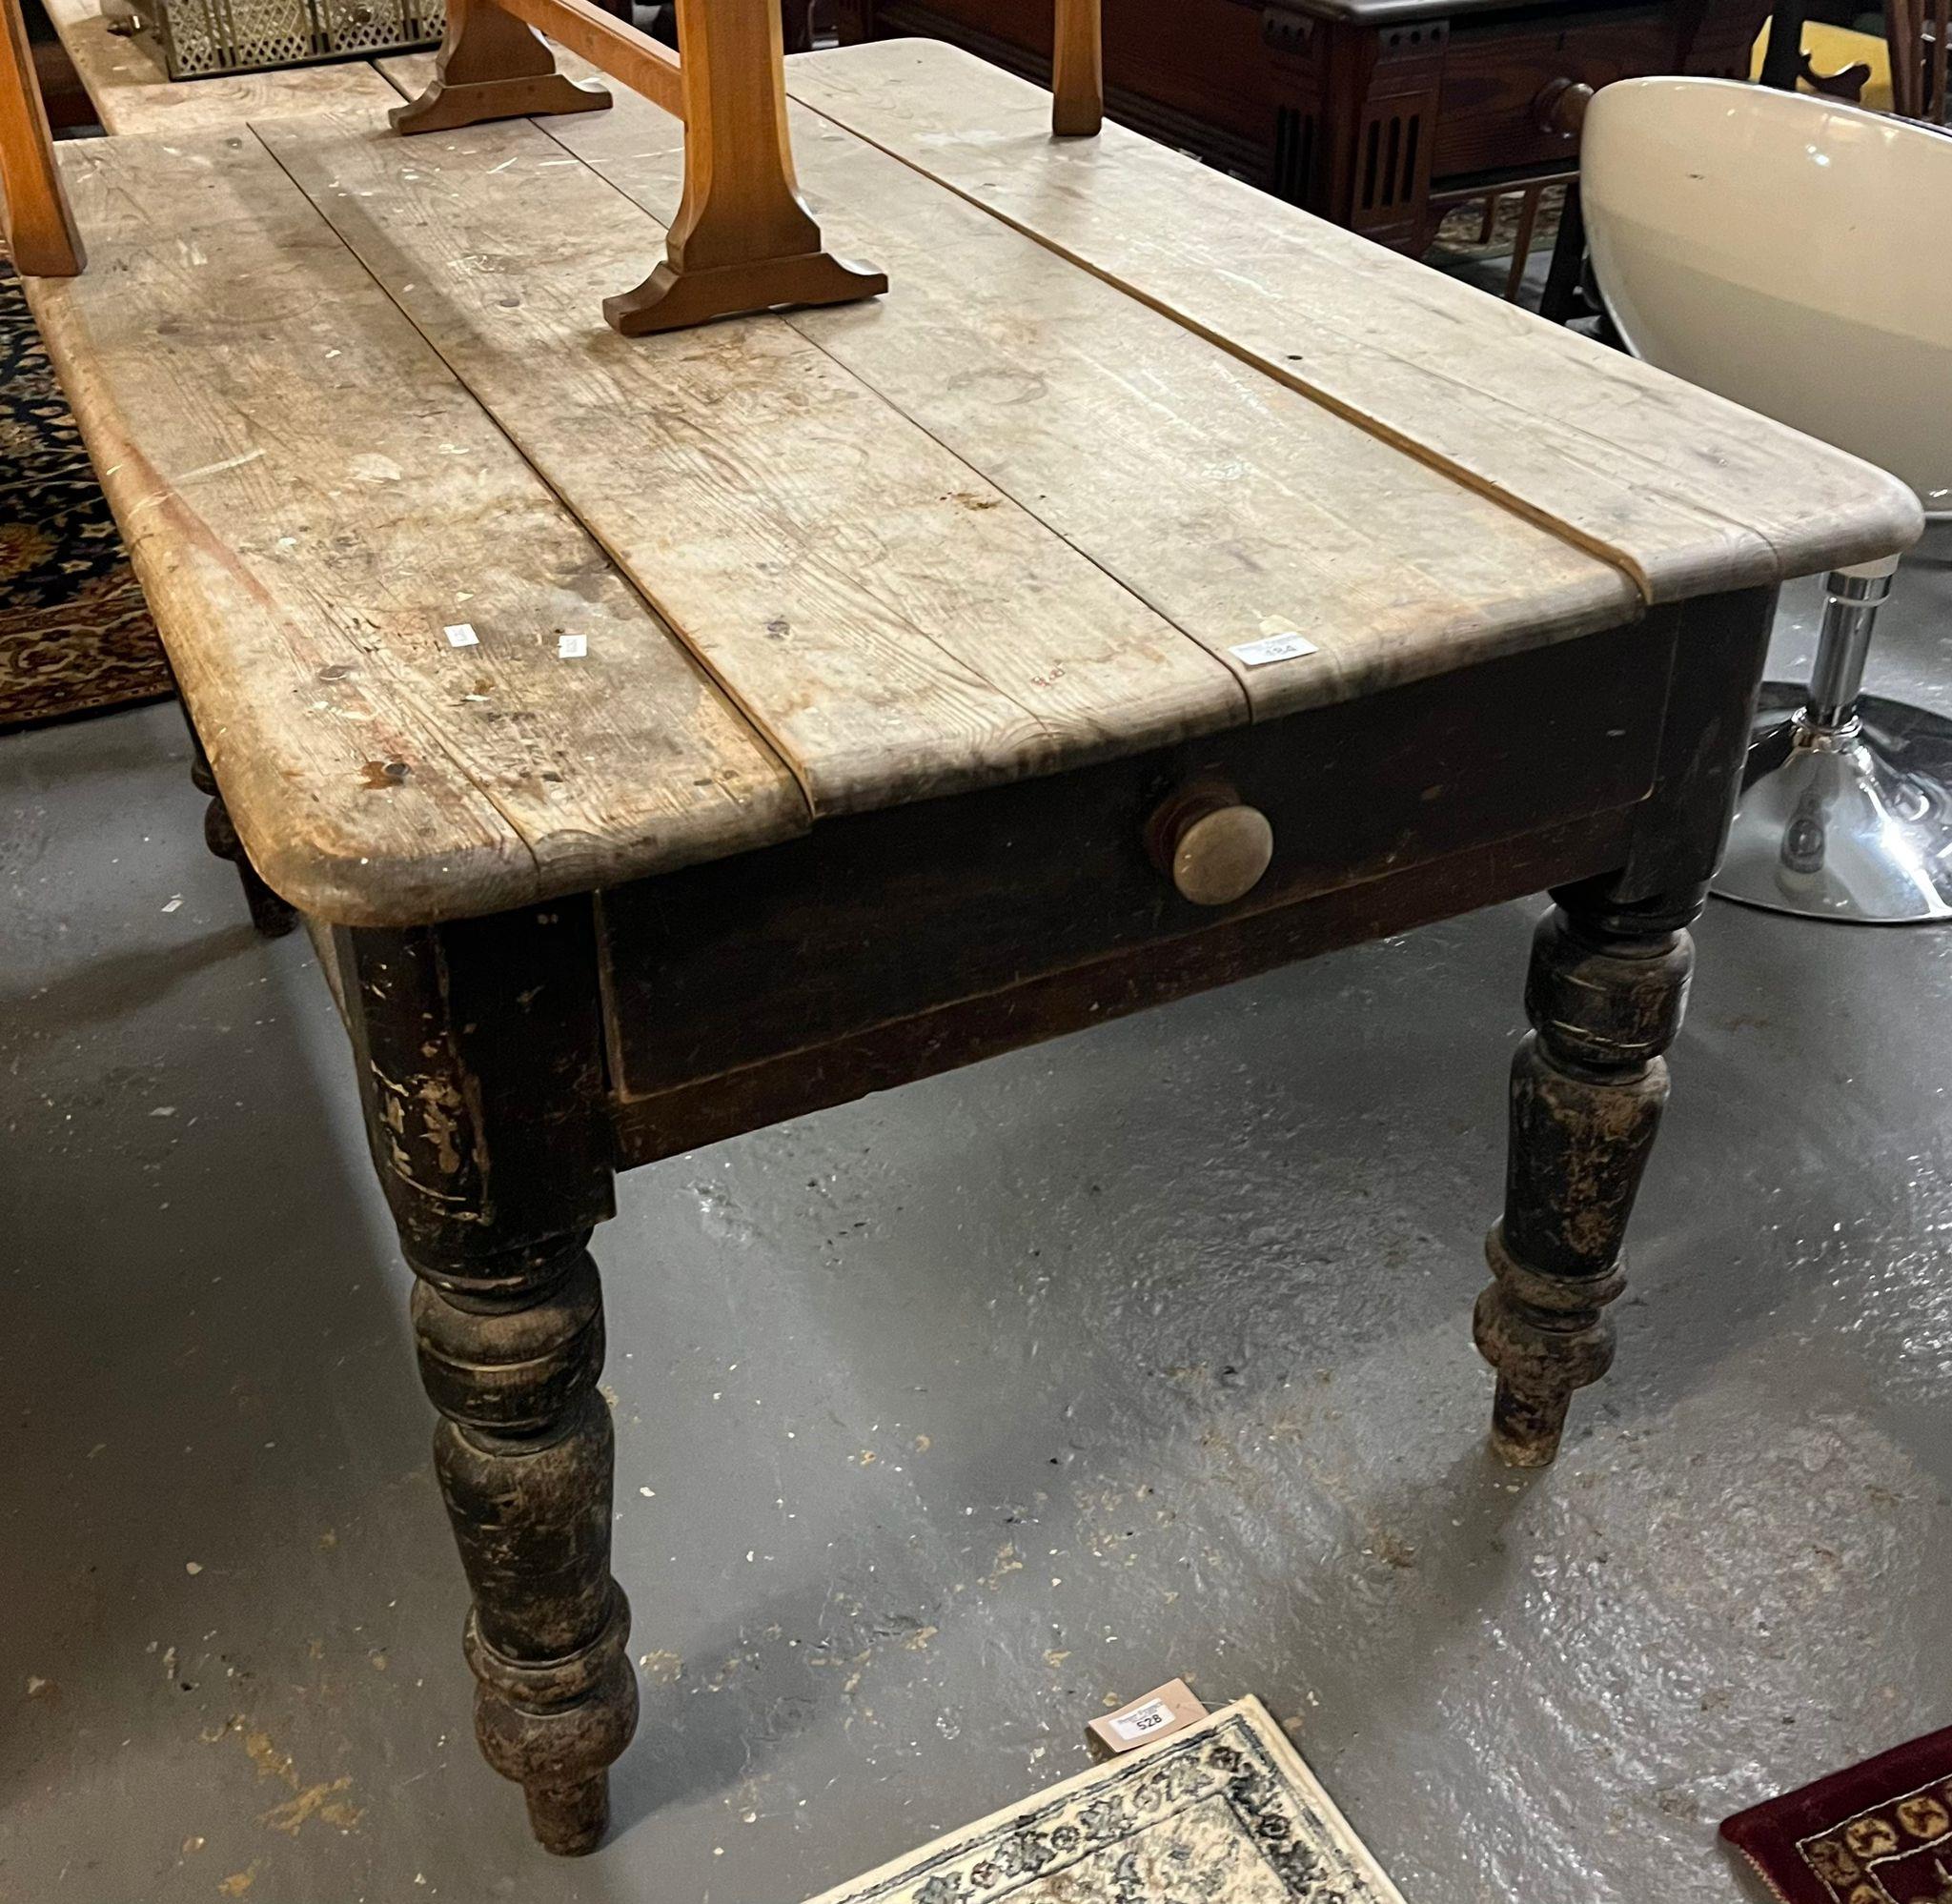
x,y
1066,738
1449,601
1679,489
762,736
485,863
400,73
1365,420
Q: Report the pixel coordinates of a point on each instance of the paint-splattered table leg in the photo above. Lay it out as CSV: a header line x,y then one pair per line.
x,y
480,1063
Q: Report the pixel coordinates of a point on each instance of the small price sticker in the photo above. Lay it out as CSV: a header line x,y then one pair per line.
x,y
1142,1722
1285,646
463,636
572,647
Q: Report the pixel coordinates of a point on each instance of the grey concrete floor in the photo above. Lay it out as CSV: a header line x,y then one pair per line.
x,y
946,1418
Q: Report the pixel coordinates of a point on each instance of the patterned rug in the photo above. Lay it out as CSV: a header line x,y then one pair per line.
x,y
1462,234
1225,1814
1879,1833
75,635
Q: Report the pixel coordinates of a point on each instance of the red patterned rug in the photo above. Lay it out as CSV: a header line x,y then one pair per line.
x,y
75,635
1879,1833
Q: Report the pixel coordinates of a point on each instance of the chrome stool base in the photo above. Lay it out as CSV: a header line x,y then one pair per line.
x,y
1851,824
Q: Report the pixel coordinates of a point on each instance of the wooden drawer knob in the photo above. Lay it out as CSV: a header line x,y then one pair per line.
x,y
1212,845
1560,106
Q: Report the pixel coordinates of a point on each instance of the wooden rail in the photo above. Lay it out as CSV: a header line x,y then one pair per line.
x,y
34,215
632,58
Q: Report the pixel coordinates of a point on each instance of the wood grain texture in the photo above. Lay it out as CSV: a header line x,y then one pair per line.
x,y
34,213
409,74
895,623
310,499
1686,493
743,239
132,93
1222,499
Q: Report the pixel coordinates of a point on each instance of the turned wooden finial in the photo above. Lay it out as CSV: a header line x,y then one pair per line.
x,y
1211,843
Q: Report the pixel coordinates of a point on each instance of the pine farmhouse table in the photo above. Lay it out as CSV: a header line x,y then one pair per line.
x,y
674,734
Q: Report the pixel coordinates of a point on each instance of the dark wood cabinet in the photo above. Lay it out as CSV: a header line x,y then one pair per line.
x,y
1370,113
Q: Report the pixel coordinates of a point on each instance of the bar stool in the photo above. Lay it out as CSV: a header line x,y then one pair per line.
x,y
1792,254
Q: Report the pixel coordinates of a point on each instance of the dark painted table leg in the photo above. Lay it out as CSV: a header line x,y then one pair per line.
x,y
269,913
1604,997
480,1061
1605,994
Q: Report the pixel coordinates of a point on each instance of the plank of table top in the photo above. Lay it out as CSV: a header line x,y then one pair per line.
x,y
310,499
132,93
1686,492
410,74
891,620
1232,503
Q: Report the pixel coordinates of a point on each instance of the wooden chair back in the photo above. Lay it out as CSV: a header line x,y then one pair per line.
x,y
34,215
1919,33
1077,70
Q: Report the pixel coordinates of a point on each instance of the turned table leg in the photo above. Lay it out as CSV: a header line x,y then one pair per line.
x,y
481,1064
269,913
525,1454
1605,994
1607,987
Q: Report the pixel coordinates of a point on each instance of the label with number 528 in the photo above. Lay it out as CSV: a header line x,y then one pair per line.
x,y
1143,1720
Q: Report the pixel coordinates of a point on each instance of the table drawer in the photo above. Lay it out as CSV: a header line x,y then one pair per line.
x,y
897,915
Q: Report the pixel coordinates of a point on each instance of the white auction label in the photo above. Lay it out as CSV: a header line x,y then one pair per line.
x,y
572,647
1285,647
1143,1721
463,636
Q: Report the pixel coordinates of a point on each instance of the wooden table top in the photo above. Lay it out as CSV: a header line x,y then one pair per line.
x,y
1118,416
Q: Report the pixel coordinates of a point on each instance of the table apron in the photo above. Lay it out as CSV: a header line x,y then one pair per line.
x,y
884,948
